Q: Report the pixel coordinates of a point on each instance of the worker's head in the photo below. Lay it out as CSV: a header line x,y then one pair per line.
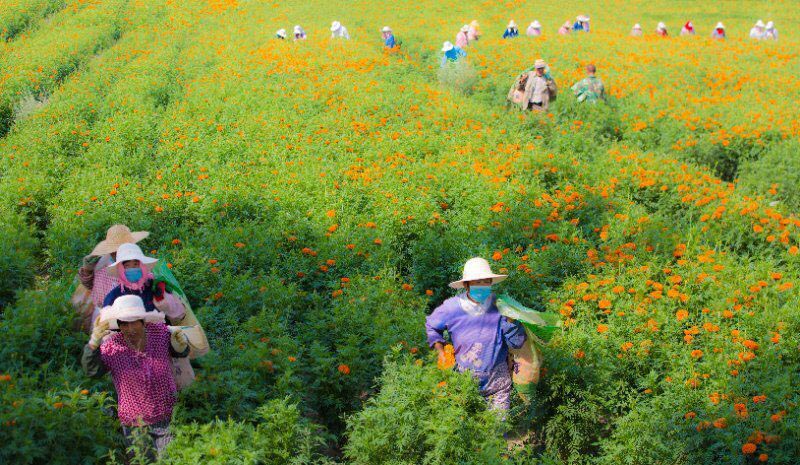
x,y
133,331
591,69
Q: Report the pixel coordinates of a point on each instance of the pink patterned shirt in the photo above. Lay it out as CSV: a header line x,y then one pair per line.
x,y
146,390
103,281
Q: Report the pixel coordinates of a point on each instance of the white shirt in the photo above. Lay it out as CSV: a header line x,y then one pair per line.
x,y
341,33
539,88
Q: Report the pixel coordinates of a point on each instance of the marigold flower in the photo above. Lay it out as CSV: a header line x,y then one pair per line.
x,y
748,448
344,369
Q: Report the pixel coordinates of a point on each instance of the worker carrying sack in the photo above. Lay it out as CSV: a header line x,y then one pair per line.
x,y
540,327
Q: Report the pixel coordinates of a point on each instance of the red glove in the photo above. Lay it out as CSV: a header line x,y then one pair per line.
x,y
161,288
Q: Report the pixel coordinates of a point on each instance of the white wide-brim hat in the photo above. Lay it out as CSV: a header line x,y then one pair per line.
x,y
281,33
539,63
447,46
567,24
583,18
477,269
720,26
512,23
536,25
637,26
335,26
131,252
465,28
116,236
661,26
760,23
298,29
386,29
770,25
129,308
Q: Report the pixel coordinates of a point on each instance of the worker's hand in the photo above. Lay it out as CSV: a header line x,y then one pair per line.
x,y
158,292
510,320
179,340
89,262
98,333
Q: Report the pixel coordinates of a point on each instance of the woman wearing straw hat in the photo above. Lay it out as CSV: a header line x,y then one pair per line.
x,y
388,37
718,32
581,24
540,88
474,31
134,271
299,33
637,30
511,30
757,32
770,33
462,38
139,359
94,274
481,337
688,29
281,34
661,30
565,28
451,53
338,31
534,30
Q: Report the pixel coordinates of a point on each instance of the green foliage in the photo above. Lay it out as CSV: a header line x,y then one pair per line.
x,y
18,256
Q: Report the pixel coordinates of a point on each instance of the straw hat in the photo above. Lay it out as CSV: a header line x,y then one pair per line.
x,y
661,26
582,18
760,23
539,63
567,24
637,26
281,33
536,25
335,26
512,24
770,25
476,269
131,252
298,29
386,29
465,28
116,236
447,46
129,308
720,25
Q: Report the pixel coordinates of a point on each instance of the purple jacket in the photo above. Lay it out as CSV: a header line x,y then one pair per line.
x,y
481,341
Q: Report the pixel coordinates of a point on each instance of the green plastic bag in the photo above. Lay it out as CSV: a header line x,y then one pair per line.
x,y
162,273
542,325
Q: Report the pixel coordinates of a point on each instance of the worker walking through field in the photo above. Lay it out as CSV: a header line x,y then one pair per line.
x,y
462,38
388,37
338,31
139,360
718,32
452,53
481,337
511,31
589,89
540,88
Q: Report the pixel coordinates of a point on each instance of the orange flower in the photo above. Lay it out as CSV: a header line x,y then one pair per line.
x,y
497,256
344,369
763,457
604,304
748,448
58,404
377,241
602,328
697,353
330,213
681,315
428,292
239,245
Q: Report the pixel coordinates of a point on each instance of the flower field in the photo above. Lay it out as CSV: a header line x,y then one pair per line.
x,y
314,199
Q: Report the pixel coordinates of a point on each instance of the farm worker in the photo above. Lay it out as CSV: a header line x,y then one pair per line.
x,y
581,24
758,30
281,34
770,33
540,87
338,31
133,270
637,30
94,274
661,30
462,38
511,30
388,37
688,29
451,53
474,31
481,337
534,30
139,360
589,89
719,31
565,28
299,33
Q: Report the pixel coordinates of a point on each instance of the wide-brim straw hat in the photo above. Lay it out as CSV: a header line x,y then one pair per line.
x,y
298,29
539,63
129,308
447,46
582,18
512,23
465,28
567,24
477,269
335,26
281,33
536,25
116,236
720,26
386,29
637,26
770,25
760,23
661,26
131,252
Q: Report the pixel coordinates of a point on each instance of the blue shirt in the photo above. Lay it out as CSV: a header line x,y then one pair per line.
x,y
480,341
510,33
453,55
389,41
146,294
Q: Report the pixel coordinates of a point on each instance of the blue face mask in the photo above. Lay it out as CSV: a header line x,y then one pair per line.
x,y
480,293
133,274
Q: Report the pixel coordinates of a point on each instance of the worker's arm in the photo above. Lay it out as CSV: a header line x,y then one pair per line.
x,y
92,362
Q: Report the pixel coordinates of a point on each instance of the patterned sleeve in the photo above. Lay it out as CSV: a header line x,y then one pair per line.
x,y
513,333
435,325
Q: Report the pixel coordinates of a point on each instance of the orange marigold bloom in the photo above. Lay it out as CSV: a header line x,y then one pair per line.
x,y
681,315
497,256
602,328
344,369
604,304
697,353
748,448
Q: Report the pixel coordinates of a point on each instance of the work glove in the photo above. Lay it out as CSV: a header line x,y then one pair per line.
x,y
98,333
158,292
179,340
